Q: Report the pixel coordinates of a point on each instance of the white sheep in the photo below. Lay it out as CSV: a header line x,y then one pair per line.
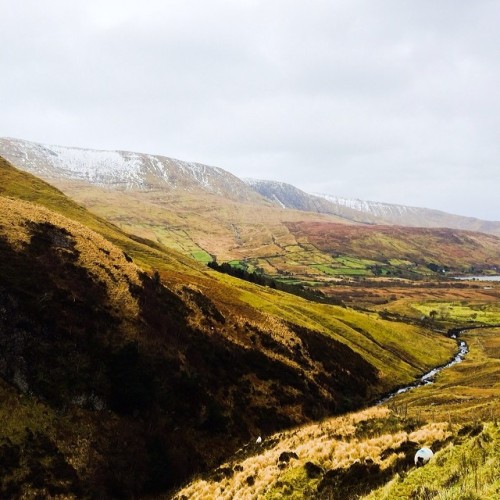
x,y
423,456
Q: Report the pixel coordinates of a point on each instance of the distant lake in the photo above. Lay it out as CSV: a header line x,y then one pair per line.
x,y
478,278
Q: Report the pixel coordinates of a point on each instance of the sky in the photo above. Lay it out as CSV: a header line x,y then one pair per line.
x,y
386,100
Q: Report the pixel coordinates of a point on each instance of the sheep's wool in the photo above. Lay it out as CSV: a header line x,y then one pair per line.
x,y
423,456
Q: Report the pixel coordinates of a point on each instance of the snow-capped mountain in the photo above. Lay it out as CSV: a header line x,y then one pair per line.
x,y
370,212
404,215
287,196
122,170
131,171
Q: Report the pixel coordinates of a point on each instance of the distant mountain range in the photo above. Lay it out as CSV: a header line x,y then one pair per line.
x,y
370,212
287,196
129,171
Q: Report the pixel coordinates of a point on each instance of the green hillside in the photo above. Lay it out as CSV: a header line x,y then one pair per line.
x,y
125,367
370,454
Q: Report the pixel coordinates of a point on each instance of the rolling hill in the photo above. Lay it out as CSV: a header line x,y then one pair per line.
x,y
127,367
395,250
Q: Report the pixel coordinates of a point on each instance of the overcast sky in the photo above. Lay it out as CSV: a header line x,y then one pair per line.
x,y
386,100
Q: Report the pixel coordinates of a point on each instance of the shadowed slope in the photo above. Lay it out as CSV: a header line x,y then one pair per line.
x,y
106,369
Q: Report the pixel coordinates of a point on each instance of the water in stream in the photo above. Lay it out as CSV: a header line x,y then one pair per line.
x,y
429,377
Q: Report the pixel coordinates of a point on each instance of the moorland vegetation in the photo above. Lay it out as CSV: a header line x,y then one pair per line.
x,y
127,367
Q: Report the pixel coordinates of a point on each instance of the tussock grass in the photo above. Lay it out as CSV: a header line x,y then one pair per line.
x,y
465,462
91,248
457,417
330,445
467,469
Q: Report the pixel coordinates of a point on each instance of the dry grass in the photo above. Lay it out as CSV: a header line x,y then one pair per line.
x,y
467,469
463,395
332,444
103,260
398,351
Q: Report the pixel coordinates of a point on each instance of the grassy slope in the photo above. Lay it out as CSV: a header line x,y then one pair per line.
x,y
377,340
370,453
20,185
194,222
366,335
82,330
467,391
76,303
310,246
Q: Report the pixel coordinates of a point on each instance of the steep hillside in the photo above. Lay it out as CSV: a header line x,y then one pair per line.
x,y
365,455
86,333
370,454
118,383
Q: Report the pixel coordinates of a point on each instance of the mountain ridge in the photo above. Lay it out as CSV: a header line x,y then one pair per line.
x,y
368,212
402,215
288,196
125,170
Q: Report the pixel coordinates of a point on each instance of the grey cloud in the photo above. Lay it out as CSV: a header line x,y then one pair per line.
x,y
395,101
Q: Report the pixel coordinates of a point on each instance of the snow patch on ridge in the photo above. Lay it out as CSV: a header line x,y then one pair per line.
x,y
122,169
371,207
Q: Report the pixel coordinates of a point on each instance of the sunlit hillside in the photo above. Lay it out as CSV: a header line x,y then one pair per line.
x,y
400,251
243,298
111,338
370,454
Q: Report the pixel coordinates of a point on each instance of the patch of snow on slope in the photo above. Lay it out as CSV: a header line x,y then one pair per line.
x,y
280,203
158,167
201,173
97,167
371,207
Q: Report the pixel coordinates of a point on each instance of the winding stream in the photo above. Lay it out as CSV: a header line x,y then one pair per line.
x,y
429,377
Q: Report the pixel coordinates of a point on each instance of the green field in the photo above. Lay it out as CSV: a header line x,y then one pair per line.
x,y
461,312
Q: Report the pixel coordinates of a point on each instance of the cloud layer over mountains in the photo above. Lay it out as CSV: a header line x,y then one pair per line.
x,y
388,101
